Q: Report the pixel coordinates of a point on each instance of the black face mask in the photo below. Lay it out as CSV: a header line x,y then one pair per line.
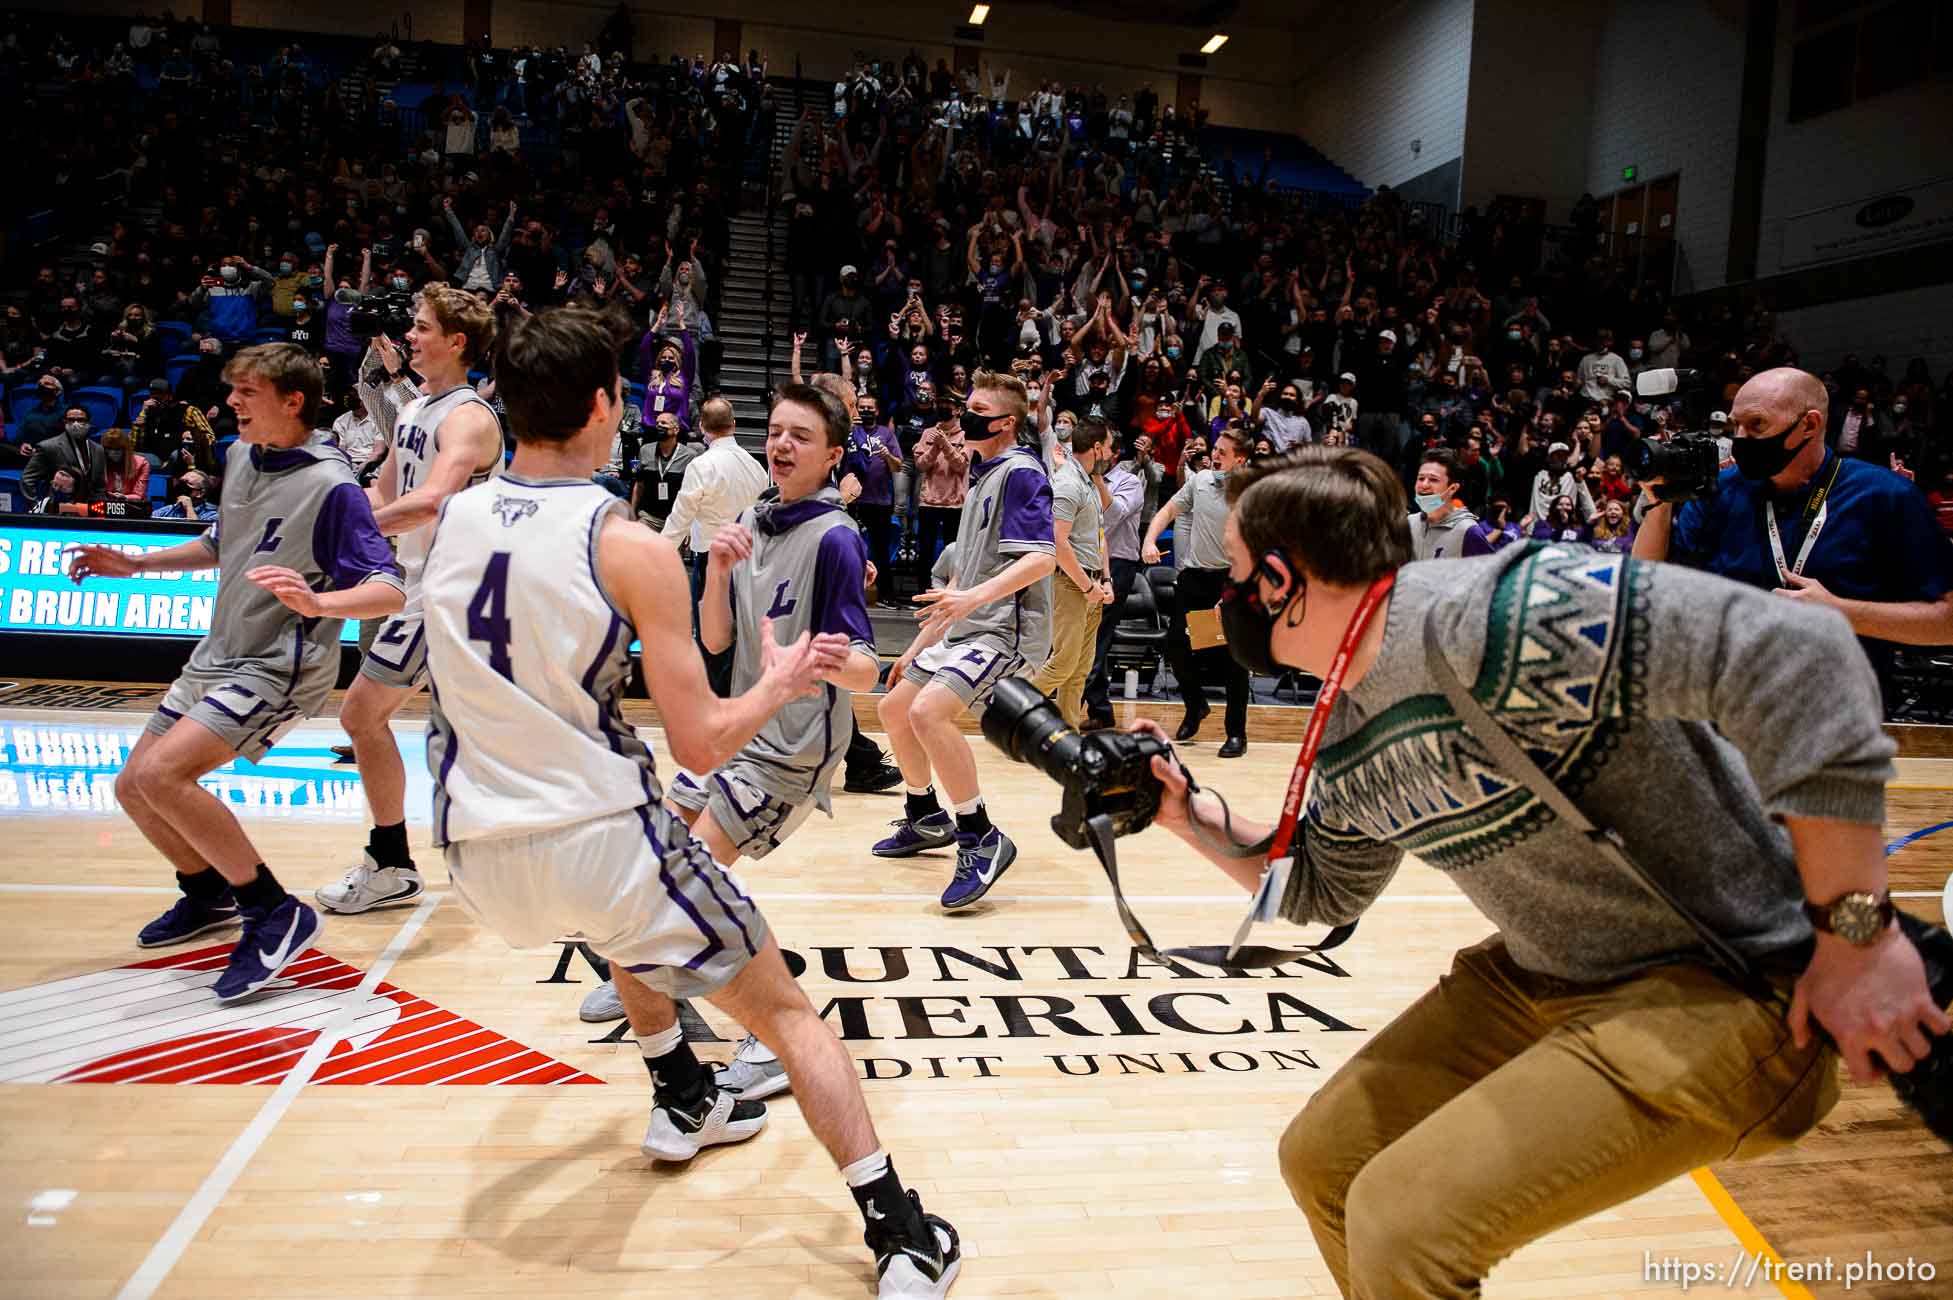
x,y
976,427
1249,624
1761,458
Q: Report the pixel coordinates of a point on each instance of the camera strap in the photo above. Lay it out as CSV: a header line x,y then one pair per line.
x,y
1512,760
1234,956
1815,511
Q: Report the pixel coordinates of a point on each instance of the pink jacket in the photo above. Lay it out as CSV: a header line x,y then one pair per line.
x,y
944,464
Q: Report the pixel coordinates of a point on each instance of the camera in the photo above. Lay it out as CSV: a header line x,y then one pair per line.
x,y
1689,464
1928,1086
1105,773
391,314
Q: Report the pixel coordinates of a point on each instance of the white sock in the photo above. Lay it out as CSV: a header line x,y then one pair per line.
x,y
969,806
867,1169
927,789
652,1046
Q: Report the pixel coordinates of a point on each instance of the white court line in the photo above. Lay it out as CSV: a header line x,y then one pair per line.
x,y
210,1194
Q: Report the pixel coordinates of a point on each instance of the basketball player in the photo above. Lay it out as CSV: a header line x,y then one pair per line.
x,y
992,621
299,554
445,440
548,804
797,558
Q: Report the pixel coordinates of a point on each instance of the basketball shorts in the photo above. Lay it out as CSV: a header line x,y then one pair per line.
x,y
635,886
248,713
398,655
755,820
967,669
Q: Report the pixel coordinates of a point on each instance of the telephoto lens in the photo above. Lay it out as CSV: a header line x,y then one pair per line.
x,y
1107,774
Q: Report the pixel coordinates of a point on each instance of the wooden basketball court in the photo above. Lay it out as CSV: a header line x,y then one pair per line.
x,y
422,1113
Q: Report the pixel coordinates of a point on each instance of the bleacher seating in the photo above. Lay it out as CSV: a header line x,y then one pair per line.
x,y
104,405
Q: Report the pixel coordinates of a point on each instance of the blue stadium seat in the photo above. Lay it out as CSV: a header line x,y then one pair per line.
x,y
271,334
176,367
104,406
634,391
476,376
21,399
159,485
10,486
175,337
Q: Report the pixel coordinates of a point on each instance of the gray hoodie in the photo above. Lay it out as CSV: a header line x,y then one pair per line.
x,y
1443,540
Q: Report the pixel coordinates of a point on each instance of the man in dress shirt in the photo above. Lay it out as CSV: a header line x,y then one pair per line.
x,y
723,481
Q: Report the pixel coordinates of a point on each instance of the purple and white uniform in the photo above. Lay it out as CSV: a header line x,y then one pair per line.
x,y
807,573
261,668
1007,514
545,798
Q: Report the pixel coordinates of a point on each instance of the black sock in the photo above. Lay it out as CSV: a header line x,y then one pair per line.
x,y
923,805
976,823
388,845
885,1195
677,1078
262,894
206,886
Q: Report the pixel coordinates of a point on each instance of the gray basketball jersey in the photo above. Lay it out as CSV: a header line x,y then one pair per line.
x,y
300,508
1007,514
807,573
416,441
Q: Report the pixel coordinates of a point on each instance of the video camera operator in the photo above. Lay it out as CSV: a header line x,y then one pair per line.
x,y
1585,1053
1796,518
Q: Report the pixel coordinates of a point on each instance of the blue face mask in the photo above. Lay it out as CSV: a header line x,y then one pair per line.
x,y
1173,354
1429,502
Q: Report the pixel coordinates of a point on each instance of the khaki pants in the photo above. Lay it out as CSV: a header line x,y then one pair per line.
x,y
1074,641
1504,1105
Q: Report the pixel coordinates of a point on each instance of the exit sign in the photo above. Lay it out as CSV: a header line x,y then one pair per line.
x,y
1628,172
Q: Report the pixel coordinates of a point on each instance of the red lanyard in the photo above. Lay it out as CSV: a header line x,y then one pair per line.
x,y
1332,687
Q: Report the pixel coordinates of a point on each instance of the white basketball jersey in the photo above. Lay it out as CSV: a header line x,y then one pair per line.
x,y
416,441
529,661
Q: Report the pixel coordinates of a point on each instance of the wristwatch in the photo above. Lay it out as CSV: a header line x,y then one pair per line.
x,y
1859,918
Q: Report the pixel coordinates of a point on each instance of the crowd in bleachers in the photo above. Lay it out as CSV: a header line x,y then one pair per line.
x,y
230,187
233,186
1084,239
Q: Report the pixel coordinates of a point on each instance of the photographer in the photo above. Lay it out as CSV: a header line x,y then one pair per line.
x,y
1796,518
1582,1055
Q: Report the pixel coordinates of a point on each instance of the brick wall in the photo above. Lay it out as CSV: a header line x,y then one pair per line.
x,y
1899,326
1402,77
1666,87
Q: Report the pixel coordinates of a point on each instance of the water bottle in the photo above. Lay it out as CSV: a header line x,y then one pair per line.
x,y
1132,683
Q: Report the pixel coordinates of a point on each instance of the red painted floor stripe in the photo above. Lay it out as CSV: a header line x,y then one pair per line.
x,y
470,1040
389,1046
165,1058
518,1060
454,1063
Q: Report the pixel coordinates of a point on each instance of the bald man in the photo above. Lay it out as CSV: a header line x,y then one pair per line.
x,y
1794,517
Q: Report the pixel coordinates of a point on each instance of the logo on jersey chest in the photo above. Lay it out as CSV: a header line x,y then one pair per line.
x,y
783,604
514,510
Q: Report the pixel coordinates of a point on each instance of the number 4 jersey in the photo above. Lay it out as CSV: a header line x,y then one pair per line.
x,y
529,659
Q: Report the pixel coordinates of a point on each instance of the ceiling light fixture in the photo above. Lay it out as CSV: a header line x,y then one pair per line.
x,y
1214,43
978,13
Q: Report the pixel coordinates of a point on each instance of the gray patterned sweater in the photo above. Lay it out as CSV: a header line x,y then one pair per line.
x,y
1685,711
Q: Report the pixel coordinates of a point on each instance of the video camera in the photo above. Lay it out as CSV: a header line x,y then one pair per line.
x,y
1687,463
390,313
1107,773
